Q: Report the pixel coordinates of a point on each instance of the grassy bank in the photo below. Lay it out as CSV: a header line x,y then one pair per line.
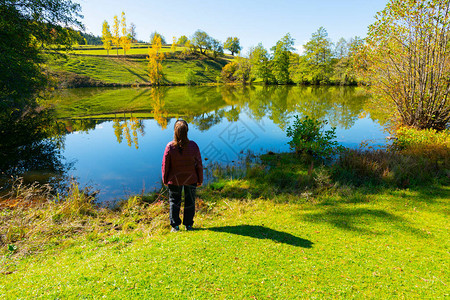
x,y
275,227
74,70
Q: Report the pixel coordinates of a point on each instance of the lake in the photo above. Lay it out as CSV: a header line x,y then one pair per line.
x,y
113,139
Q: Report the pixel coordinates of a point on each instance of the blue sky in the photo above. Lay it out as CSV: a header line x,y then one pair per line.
x,y
253,21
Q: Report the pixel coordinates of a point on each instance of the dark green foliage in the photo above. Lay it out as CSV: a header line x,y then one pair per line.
x,y
25,28
20,74
281,59
309,137
155,33
91,39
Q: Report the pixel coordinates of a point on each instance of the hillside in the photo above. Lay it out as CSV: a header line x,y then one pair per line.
x,y
90,66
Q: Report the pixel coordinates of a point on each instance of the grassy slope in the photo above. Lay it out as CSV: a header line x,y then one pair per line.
x,y
121,70
360,242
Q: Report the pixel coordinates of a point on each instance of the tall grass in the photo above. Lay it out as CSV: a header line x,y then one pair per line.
x,y
33,218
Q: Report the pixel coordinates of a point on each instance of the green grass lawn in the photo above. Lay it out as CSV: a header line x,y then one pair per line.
x,y
394,245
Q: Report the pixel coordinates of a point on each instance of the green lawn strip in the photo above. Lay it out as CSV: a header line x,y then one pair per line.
x,y
395,245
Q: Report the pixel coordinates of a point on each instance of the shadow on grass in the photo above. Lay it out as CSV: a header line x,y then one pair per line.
x,y
261,232
135,74
363,220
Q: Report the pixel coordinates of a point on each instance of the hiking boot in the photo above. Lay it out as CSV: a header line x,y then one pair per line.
x,y
175,229
189,228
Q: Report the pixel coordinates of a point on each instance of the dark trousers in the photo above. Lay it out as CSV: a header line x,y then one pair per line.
x,y
175,204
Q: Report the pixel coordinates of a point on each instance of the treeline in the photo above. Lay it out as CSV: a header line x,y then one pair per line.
x,y
321,62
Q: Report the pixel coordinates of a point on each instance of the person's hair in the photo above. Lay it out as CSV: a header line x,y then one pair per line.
x,y
180,131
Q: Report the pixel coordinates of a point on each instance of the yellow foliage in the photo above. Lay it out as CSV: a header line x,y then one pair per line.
x,y
155,69
174,45
106,37
116,34
125,42
159,114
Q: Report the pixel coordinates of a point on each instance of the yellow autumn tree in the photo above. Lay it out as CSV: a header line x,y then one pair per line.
x,y
106,37
174,44
125,41
116,34
155,58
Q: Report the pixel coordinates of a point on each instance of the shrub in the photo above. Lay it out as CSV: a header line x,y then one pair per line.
x,y
308,136
228,72
411,138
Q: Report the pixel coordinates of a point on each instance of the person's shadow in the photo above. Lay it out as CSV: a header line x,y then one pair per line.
x,y
261,232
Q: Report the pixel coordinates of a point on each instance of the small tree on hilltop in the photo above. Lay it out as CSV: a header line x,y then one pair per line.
x,y
232,44
216,47
407,60
154,34
201,41
182,40
132,33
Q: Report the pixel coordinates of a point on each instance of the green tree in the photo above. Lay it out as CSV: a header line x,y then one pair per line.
x,y
132,33
106,37
232,44
216,48
318,57
201,41
182,40
407,60
281,59
344,71
259,60
26,27
155,33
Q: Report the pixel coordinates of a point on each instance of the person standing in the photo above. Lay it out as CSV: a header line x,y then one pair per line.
x,y
182,169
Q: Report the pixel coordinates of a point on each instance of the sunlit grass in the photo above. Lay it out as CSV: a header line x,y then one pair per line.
x,y
281,230
130,71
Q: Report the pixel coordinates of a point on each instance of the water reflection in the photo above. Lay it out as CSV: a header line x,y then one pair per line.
x,y
125,126
207,106
31,147
116,137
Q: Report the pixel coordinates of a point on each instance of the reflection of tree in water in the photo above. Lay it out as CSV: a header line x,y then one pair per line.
x,y
30,147
128,127
157,99
207,120
279,105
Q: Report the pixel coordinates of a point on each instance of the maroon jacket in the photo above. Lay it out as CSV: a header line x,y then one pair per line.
x,y
182,167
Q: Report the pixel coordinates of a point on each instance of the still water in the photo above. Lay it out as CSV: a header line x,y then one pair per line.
x,y
113,139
